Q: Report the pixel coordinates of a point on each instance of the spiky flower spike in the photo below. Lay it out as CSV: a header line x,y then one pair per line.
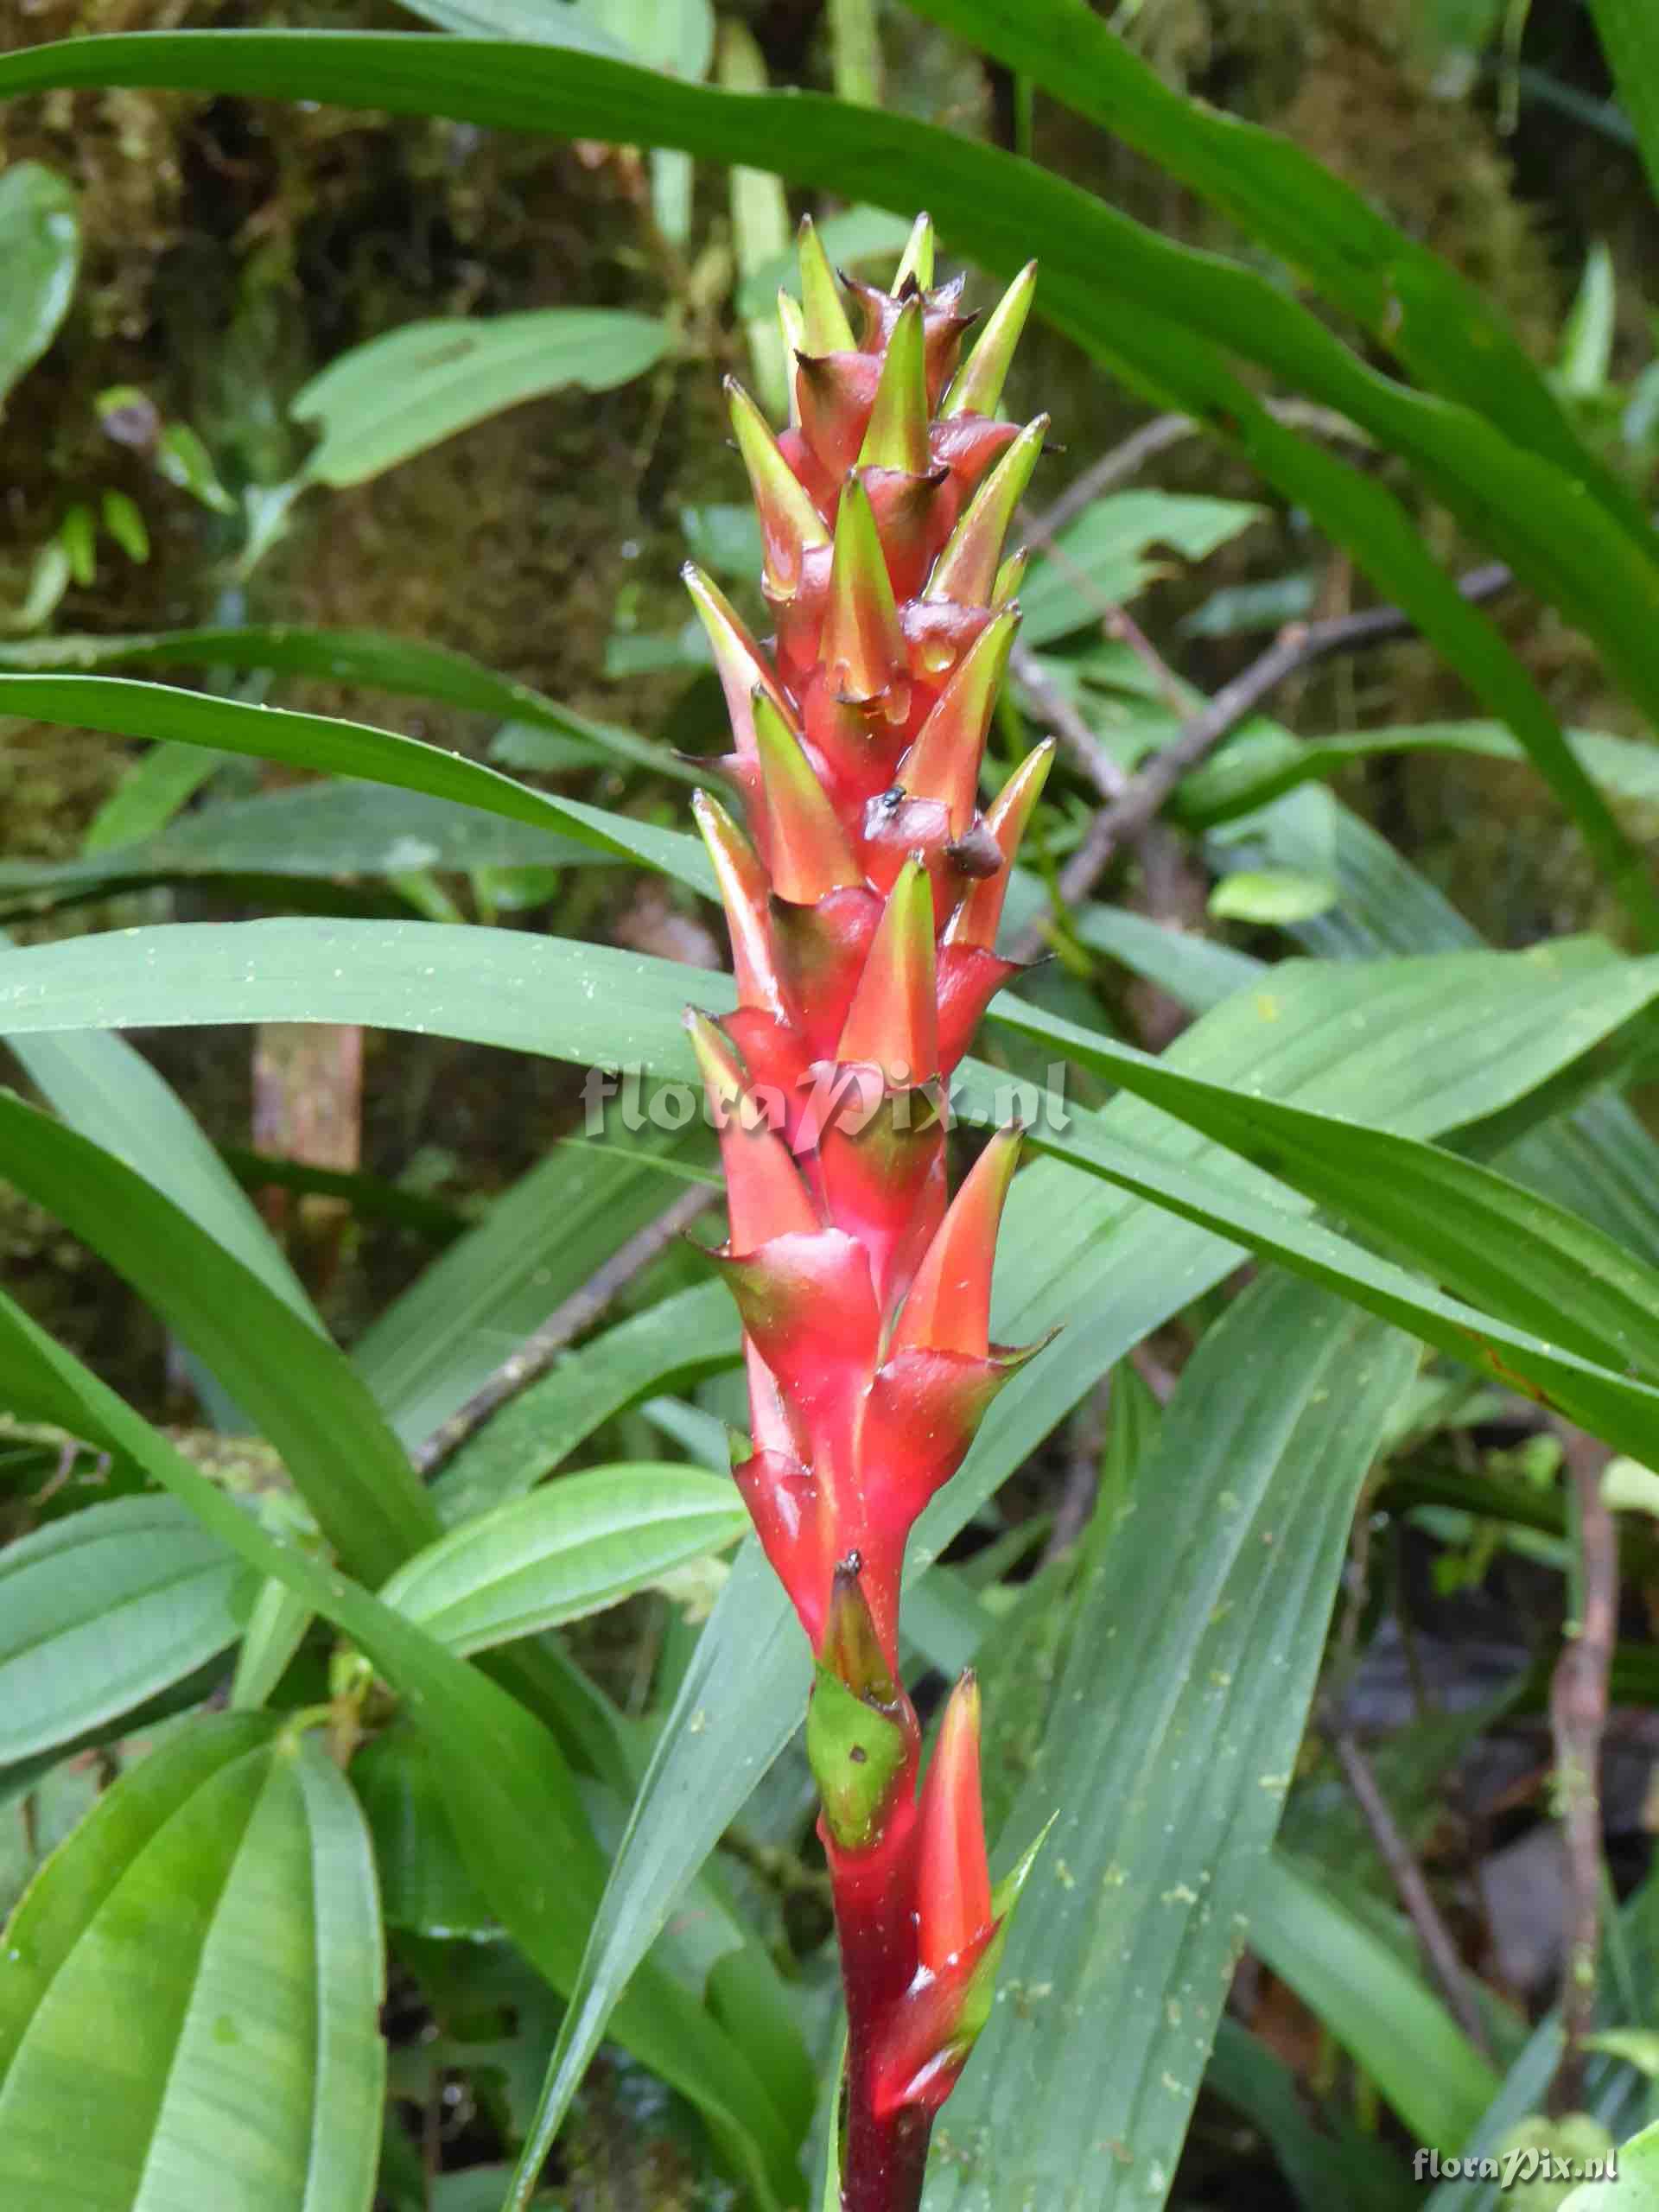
x,y
864,905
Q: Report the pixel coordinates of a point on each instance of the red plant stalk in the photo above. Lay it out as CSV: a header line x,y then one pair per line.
x,y
864,912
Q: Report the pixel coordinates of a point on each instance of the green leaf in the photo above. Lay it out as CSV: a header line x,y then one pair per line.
x,y
1630,38
1277,895
1636,2188
1447,331
431,1348
102,1610
123,708
424,1885
406,667
415,387
222,1896
1173,1729
1105,557
1169,320
562,22
319,832
1194,969
581,1544
154,789
40,251
1587,340
101,1086
341,1458
671,1346
1395,2030
507,1792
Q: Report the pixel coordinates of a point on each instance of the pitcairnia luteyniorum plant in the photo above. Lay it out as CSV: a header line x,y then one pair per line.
x,y
863,919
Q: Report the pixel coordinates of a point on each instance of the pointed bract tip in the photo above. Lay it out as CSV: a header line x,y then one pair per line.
x,y
980,909
893,1023
806,847
953,1876
897,433
716,1061
789,521
828,330
944,762
948,1306
863,646
978,386
851,1650
967,569
1009,578
744,892
917,262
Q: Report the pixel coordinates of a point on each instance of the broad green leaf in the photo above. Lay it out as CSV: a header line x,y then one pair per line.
x,y
1514,1253
309,1403
507,1791
424,1885
1106,556
124,709
1172,1736
101,1086
321,832
1630,38
40,251
1194,969
1447,331
1272,896
1262,764
199,1968
1169,320
431,1348
672,1344
1108,1272
1587,336
406,667
414,387
101,1609
1635,2188
153,791
1395,2028
568,1549
549,23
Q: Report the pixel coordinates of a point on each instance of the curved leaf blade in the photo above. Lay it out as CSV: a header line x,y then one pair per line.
x,y
101,1610
123,708
40,251
223,1894
412,388
582,1543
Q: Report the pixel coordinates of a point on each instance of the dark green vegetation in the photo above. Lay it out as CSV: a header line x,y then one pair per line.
x,y
361,371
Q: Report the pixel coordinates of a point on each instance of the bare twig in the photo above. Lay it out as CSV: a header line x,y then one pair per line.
x,y
1153,438
1067,724
1578,1718
1298,646
1411,1886
540,1348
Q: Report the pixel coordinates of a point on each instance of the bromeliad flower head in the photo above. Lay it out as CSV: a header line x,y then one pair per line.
x,y
863,901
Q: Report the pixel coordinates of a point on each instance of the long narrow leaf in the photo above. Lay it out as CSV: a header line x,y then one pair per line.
x,y
1167,315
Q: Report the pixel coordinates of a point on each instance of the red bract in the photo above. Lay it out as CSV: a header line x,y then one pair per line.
x,y
863,906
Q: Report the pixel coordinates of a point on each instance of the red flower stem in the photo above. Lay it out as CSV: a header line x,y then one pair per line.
x,y
885,2156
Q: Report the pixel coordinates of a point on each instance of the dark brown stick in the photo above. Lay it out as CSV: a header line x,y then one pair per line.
x,y
540,1348
1578,1719
1297,646
1411,1886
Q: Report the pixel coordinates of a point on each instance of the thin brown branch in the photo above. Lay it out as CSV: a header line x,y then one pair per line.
x,y
1068,725
1297,646
543,1346
1411,1886
1146,443
1578,1719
